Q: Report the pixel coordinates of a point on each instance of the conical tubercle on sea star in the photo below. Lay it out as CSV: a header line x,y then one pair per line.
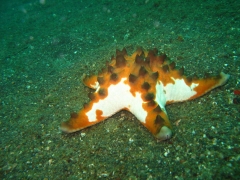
x,y
142,83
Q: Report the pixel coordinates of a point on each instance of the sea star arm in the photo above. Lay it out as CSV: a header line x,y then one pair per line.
x,y
157,122
182,89
207,84
104,103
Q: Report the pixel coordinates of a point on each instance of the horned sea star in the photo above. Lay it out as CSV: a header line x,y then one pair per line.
x,y
143,84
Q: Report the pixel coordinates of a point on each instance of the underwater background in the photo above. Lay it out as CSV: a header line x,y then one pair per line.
x,y
48,45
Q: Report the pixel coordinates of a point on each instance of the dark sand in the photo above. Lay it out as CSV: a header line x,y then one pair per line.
x,y
46,46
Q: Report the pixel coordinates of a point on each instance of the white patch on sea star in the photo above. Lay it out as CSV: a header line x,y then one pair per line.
x,y
119,97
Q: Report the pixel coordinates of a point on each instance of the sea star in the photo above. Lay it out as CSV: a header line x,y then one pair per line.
x,y
143,84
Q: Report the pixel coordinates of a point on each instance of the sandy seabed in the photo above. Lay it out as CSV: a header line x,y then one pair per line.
x,y
47,46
